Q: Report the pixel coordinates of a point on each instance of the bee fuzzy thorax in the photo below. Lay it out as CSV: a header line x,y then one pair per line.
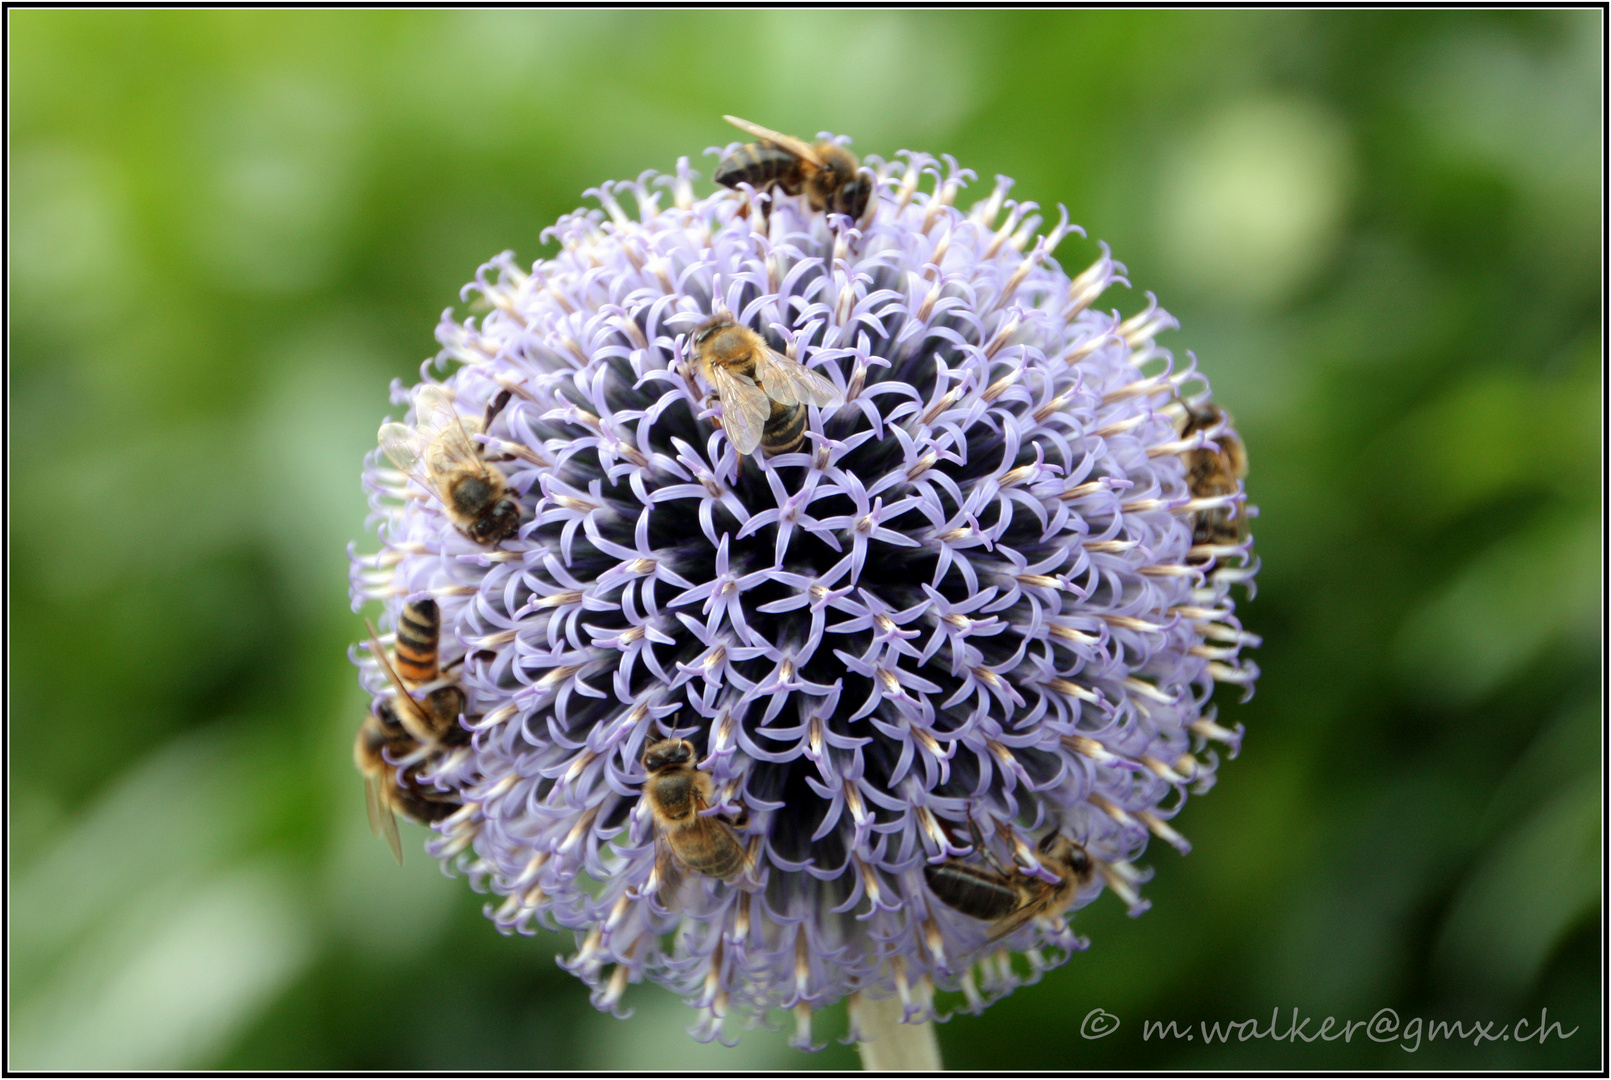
x,y
418,631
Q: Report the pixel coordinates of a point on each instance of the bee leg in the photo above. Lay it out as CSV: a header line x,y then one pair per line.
x,y
1004,830
763,207
983,849
973,834
714,398
494,407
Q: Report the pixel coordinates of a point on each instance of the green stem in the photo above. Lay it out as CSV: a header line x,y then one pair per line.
x,y
887,1045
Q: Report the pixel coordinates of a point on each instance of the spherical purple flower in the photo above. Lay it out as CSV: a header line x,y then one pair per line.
x,y
983,605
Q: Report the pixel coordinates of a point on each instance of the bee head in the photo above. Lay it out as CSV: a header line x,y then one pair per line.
x,y
712,326
852,198
496,526
1059,849
666,753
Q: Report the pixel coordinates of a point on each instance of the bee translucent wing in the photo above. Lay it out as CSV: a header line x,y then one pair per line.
x,y
372,804
404,446
715,835
797,147
381,819
1011,924
412,715
789,383
434,411
744,408
669,873
746,859
451,444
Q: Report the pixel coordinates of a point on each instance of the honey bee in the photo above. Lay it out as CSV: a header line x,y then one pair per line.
x,y
827,173
1210,473
395,789
402,735
676,793
1011,898
763,393
440,452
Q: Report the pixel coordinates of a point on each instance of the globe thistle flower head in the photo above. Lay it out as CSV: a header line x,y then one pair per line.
x,y
965,618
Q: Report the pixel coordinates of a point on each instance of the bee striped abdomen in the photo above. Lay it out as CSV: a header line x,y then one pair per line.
x,y
423,804
972,891
785,429
759,164
419,628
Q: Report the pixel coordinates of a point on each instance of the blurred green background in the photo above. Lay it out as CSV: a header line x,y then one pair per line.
x,y
230,230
